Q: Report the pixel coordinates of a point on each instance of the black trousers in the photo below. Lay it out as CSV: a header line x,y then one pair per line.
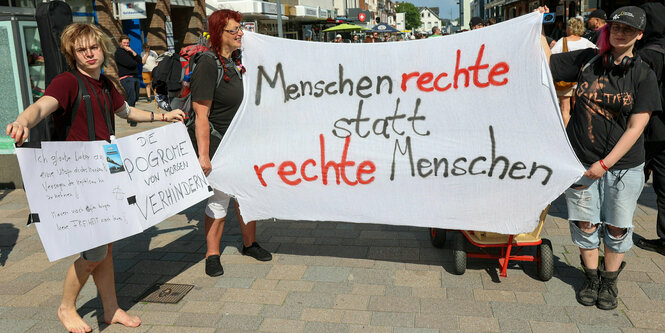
x,y
655,154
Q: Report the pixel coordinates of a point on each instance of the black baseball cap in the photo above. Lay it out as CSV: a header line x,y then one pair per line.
x,y
598,13
631,16
475,21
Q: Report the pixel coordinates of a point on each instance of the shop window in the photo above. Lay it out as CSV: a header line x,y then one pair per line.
x,y
84,19
10,91
35,61
81,6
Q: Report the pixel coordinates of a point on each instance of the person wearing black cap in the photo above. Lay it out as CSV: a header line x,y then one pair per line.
x,y
652,49
615,96
596,20
476,23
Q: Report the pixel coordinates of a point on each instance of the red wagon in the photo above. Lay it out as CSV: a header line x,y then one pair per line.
x,y
510,248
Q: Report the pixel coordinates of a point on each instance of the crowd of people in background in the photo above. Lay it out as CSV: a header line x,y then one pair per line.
x,y
377,37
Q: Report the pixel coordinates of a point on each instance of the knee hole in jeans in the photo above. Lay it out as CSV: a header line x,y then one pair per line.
x,y
616,232
586,227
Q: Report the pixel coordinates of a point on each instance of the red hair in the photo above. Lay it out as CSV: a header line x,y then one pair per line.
x,y
216,24
603,42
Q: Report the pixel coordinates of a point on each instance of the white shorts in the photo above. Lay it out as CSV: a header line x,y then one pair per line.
x,y
218,205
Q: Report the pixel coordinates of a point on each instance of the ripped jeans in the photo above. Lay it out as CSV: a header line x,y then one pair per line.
x,y
610,200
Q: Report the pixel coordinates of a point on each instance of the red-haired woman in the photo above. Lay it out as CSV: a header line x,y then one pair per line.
x,y
615,95
215,106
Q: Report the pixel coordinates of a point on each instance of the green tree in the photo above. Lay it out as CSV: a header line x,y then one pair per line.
x,y
412,15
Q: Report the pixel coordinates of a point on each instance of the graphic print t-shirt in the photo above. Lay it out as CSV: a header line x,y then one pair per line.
x,y
604,100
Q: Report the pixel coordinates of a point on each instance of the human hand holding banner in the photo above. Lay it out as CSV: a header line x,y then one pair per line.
x,y
460,132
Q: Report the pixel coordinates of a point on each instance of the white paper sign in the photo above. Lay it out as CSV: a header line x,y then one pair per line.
x,y
459,132
164,171
86,194
70,187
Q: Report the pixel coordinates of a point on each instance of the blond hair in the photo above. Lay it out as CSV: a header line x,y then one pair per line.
x,y
78,32
576,26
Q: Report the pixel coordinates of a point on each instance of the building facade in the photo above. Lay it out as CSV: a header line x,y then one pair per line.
x,y
464,14
429,19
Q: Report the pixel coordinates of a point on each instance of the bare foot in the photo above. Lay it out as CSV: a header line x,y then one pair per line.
x,y
72,321
122,317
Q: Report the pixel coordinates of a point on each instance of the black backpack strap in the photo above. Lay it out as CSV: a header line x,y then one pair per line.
x,y
111,123
83,91
73,111
107,110
220,70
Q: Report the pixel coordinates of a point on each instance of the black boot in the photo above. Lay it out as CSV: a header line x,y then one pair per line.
x,y
213,266
608,292
588,295
655,245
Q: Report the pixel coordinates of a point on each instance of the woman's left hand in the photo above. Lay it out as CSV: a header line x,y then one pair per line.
x,y
595,171
175,115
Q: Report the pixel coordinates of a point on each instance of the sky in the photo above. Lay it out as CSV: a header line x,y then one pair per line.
x,y
444,6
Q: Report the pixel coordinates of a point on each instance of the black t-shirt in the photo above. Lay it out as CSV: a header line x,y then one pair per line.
x,y
226,98
604,100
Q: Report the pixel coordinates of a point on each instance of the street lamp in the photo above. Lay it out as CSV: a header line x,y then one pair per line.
x,y
280,33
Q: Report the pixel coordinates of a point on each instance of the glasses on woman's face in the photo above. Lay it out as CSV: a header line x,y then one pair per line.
x,y
626,30
234,31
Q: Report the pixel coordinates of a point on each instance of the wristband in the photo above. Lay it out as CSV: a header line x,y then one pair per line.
x,y
163,117
602,164
152,116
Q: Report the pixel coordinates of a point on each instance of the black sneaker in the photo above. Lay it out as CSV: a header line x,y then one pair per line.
x,y
654,245
257,252
213,266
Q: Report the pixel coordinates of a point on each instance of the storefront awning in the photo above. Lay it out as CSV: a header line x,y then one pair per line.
x,y
300,12
249,8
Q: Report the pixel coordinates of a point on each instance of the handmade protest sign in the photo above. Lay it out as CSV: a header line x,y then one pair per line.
x,y
460,132
164,171
70,191
86,194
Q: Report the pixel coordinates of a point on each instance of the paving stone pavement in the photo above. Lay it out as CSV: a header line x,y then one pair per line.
x,y
326,277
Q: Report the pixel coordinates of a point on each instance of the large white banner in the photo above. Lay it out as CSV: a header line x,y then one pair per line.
x,y
459,132
86,194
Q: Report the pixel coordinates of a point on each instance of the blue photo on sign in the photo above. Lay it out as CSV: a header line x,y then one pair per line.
x,y
113,158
